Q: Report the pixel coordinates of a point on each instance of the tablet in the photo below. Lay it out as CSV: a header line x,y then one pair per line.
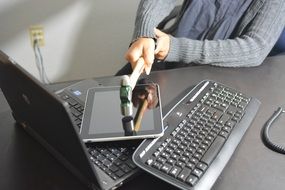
x,y
103,121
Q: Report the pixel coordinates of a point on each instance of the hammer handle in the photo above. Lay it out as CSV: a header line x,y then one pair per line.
x,y
136,72
140,116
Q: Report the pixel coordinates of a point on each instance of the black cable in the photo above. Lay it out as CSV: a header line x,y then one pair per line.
x,y
265,133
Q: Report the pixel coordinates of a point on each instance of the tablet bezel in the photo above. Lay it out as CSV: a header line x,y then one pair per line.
x,y
103,137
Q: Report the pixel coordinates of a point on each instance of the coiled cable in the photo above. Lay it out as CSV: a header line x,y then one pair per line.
x,y
265,133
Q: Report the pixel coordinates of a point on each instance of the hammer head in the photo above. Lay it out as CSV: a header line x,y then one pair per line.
x,y
126,97
128,125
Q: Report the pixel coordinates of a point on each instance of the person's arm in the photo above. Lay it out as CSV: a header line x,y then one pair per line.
x,y
249,49
149,14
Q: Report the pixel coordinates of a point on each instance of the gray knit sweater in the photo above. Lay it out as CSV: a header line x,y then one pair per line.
x,y
254,36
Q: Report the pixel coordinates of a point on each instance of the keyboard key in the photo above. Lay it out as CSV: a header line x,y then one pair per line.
x,y
131,164
165,155
184,159
197,172
180,164
123,157
184,174
113,168
217,115
224,119
120,173
213,150
194,160
117,162
171,161
107,163
166,168
156,165
178,152
149,161
224,134
202,166
125,168
230,124
175,171
112,157
175,156
114,177
192,180
72,102
161,160
190,165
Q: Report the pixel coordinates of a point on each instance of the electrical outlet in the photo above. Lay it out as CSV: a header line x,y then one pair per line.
x,y
37,33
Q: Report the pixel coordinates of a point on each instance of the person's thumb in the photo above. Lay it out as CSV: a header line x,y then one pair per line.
x,y
158,33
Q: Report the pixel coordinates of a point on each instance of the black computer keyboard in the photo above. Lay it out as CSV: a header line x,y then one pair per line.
x,y
114,160
202,131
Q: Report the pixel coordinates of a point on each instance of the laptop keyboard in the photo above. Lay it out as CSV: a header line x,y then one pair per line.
x,y
115,161
204,122
76,108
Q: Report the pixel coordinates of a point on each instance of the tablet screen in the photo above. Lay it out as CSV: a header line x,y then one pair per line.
x,y
103,119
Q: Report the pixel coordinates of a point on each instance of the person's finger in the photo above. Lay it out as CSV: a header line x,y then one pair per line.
x,y
159,46
148,55
147,69
133,56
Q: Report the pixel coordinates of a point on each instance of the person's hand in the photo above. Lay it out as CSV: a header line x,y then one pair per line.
x,y
142,47
162,44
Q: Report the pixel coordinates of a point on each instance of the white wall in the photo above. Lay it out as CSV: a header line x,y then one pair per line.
x,y
84,38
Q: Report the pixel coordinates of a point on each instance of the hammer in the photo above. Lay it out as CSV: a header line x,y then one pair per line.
x,y
127,85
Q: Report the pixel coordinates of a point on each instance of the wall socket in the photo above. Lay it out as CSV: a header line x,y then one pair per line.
x,y
37,33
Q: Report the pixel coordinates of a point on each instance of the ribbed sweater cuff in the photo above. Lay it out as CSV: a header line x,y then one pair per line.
x,y
184,50
144,28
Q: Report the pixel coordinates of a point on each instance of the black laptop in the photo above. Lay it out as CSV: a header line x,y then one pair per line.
x,y
54,120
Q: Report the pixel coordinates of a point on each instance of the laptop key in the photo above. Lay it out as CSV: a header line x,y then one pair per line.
x,y
123,157
113,176
113,168
125,168
107,163
118,162
120,173
131,164
71,102
75,112
112,157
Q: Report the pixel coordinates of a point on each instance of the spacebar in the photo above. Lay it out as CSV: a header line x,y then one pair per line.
x,y
214,149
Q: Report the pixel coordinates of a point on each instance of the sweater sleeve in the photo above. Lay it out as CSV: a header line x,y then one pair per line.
x,y
149,14
248,49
